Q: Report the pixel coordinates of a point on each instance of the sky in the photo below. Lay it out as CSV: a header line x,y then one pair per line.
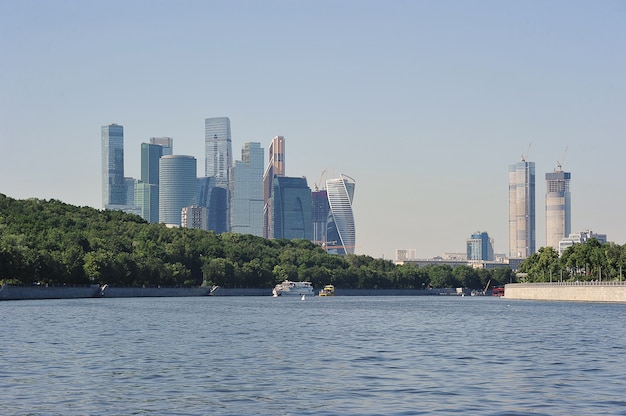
x,y
424,103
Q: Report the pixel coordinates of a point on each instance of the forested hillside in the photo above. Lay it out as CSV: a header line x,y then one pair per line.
x,y
57,243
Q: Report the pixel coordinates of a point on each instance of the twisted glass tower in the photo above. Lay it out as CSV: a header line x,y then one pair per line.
x,y
341,232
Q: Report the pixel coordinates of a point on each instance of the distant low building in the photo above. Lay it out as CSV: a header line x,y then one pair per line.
x,y
194,217
406,255
480,247
579,238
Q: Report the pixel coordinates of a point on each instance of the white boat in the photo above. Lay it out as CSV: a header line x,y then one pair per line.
x,y
293,288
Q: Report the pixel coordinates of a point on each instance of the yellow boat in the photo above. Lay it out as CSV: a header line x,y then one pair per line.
x,y
329,290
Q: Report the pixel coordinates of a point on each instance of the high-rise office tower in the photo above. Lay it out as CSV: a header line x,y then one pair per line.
x,y
291,209
521,209
275,167
177,187
147,189
246,191
319,215
218,150
341,230
215,200
166,143
480,247
558,207
113,184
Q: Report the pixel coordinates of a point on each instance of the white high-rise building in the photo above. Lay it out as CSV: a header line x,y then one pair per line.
x,y
521,209
558,207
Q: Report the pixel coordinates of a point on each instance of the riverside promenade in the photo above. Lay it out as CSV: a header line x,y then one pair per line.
x,y
568,291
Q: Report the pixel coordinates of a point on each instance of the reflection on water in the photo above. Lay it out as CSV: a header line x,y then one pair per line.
x,y
329,355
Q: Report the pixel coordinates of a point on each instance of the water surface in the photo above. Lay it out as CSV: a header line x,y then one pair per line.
x,y
321,356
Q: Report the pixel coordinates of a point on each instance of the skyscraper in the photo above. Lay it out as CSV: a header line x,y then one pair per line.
x,y
291,209
113,184
558,207
275,167
341,230
246,191
147,193
215,200
218,150
480,247
166,143
319,215
177,187
521,209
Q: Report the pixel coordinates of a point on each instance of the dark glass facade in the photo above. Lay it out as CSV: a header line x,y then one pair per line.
x,y
291,208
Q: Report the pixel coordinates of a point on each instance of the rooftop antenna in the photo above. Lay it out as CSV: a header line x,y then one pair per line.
x,y
558,164
525,155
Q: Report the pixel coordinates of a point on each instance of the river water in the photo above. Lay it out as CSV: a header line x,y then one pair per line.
x,y
321,356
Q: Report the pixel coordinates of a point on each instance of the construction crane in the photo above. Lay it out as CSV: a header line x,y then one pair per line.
x,y
559,163
525,155
322,184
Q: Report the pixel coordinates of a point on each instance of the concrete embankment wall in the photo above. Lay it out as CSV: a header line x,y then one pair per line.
x,y
343,292
156,292
47,292
568,291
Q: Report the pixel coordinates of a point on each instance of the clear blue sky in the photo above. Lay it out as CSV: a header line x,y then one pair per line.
x,y
424,103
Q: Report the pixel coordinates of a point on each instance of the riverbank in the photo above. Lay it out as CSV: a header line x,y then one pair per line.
x,y
8,292
568,291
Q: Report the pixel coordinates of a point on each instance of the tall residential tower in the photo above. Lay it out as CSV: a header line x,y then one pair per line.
x,y
521,209
558,207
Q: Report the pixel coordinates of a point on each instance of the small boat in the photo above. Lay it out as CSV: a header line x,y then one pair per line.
x,y
497,291
292,288
329,290
303,297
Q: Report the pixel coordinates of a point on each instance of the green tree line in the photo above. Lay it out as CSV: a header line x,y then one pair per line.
x,y
48,241
587,261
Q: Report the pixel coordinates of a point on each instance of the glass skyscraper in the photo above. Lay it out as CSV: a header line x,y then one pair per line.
x,y
113,184
319,214
341,230
246,191
147,193
218,150
177,187
480,247
521,209
291,209
558,207
215,200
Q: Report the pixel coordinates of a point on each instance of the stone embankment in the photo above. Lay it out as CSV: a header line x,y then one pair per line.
x,y
568,291
8,292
